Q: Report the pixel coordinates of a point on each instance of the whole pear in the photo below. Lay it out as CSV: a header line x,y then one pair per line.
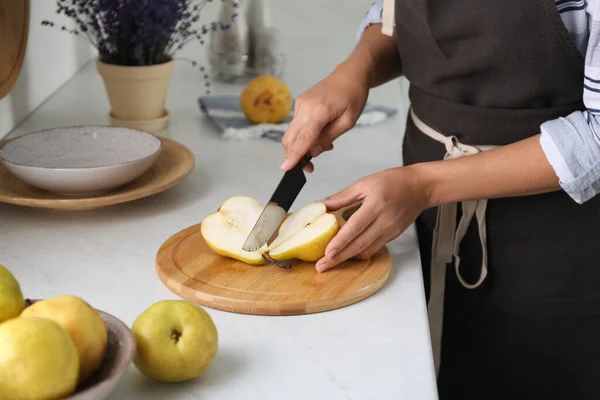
x,y
11,298
82,323
176,341
38,360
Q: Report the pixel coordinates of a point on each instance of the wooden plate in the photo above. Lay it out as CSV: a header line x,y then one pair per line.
x,y
189,268
14,30
174,163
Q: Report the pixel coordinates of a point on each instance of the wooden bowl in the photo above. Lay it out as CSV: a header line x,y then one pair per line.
x,y
120,351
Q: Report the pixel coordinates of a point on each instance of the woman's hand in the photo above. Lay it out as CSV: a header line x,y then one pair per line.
x,y
392,200
326,111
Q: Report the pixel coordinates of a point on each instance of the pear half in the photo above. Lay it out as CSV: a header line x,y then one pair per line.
x,y
305,234
226,230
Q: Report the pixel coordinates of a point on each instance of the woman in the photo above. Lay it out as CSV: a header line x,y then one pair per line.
x,y
499,91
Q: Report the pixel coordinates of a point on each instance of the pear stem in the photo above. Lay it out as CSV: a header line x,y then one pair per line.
x,y
280,265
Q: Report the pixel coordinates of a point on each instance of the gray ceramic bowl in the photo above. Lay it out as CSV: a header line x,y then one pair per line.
x,y
81,160
120,352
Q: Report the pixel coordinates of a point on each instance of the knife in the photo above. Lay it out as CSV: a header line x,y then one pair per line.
x,y
276,210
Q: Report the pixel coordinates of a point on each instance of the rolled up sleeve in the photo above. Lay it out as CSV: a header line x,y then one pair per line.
x,y
572,147
374,16
572,143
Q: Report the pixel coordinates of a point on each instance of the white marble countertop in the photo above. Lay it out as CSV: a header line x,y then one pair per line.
x,y
376,349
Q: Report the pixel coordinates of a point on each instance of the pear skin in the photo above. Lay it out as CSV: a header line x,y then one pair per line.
x,y
252,259
266,99
176,341
11,298
309,242
38,360
82,323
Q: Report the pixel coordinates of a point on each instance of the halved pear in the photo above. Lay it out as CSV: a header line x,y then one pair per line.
x,y
305,234
226,230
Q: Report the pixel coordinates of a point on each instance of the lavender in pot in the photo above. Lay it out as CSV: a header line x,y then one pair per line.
x,y
136,42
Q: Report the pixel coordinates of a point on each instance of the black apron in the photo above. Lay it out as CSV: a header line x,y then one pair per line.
x,y
490,72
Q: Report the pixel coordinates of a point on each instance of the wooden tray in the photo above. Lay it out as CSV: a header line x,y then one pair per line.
x,y
189,268
14,31
174,163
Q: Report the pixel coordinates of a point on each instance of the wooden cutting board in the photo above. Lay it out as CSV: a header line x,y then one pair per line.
x,y
14,30
188,267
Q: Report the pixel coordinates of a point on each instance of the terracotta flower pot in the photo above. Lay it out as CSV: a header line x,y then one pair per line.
x,y
137,95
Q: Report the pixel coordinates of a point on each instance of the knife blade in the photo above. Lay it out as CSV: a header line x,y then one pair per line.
x,y
278,206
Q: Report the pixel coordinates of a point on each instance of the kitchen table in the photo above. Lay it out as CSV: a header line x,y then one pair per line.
x,y
377,349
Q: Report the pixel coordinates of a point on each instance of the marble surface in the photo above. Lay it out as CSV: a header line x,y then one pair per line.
x,y
376,349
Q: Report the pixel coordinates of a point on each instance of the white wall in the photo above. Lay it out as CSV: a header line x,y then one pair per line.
x,y
52,57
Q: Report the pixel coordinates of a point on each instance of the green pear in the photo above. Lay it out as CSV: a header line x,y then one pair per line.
x,y
176,341
11,298
305,234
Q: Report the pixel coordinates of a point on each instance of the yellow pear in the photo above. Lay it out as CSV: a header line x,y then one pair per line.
x,y
176,341
305,234
82,323
226,230
11,298
38,360
266,99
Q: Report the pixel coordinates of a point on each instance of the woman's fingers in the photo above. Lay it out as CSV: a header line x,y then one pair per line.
x,y
350,244
303,133
318,149
334,130
355,225
372,249
344,198
309,167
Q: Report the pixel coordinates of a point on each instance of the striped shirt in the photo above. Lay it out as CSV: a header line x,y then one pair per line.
x,y
571,143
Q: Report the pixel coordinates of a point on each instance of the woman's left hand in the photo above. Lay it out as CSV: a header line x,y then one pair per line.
x,y
391,201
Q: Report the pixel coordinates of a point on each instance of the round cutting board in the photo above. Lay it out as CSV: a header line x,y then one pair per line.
x,y
188,267
14,30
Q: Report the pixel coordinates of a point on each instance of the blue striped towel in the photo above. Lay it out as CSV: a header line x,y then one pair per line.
x,y
226,112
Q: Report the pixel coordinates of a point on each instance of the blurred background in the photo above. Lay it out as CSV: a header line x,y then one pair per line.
x,y
313,35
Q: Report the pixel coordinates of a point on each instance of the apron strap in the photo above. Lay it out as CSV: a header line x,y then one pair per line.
x,y
447,238
387,17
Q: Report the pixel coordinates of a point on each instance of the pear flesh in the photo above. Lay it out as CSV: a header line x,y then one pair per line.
x,y
226,230
303,235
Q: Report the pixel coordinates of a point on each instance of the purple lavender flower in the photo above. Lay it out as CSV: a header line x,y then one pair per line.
x,y
137,32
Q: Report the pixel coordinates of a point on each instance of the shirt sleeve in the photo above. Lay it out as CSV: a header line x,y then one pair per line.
x,y
374,16
572,144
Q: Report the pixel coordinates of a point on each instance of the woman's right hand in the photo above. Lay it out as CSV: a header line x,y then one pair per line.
x,y
326,111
